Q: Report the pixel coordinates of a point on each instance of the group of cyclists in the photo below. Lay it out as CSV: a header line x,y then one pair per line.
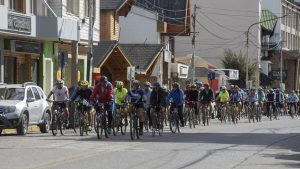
x,y
147,99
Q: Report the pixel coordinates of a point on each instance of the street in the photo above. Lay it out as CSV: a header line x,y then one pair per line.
x,y
260,145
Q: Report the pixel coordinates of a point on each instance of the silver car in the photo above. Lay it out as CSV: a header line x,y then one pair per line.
x,y
22,105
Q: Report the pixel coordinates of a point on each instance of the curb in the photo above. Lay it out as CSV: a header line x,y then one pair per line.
x,y
13,131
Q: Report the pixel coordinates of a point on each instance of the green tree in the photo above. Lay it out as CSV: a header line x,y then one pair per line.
x,y
238,61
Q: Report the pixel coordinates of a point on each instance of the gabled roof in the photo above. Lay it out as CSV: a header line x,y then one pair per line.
x,y
101,51
141,55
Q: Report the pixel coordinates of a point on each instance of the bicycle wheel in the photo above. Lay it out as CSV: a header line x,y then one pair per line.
x,y
193,118
54,126
173,122
98,120
190,117
95,121
104,125
115,123
123,125
270,113
154,124
136,126
177,123
75,121
60,124
131,126
292,111
81,125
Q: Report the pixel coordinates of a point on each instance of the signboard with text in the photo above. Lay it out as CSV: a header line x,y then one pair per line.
x,y
275,74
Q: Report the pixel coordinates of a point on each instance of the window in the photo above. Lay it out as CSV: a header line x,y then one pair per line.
x,y
1,2
29,93
73,6
36,93
12,93
41,92
17,5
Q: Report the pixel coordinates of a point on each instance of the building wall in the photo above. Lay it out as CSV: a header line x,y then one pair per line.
x,y
233,17
140,26
109,25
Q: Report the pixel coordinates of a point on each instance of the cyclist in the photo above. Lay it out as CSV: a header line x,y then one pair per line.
x,y
104,93
76,88
120,97
138,97
84,93
176,95
293,100
193,98
206,98
61,94
279,99
261,97
271,99
236,97
148,90
252,99
157,100
223,98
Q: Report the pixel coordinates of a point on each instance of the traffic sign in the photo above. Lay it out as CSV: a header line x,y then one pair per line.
x,y
130,73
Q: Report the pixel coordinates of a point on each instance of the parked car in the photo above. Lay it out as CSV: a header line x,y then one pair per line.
x,y
22,105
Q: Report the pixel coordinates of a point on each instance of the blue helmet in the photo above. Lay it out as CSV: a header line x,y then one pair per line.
x,y
156,84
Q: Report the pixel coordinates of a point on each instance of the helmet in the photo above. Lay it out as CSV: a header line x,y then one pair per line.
x,y
84,83
59,82
260,88
223,88
119,84
201,88
176,84
206,84
148,84
156,84
103,79
236,87
136,82
252,89
194,86
164,87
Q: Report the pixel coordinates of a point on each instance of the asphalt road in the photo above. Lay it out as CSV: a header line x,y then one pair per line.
x,y
261,145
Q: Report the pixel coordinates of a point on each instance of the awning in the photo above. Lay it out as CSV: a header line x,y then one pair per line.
x,y
270,19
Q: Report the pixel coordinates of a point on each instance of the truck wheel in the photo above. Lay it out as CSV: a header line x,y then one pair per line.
x,y
22,128
45,126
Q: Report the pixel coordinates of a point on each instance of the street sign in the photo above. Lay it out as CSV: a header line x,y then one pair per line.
x,y
275,74
130,73
211,75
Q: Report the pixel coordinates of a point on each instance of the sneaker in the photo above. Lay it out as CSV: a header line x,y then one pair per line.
x,y
90,128
109,131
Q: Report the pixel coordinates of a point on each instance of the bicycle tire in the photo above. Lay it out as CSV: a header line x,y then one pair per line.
x,y
137,127
154,124
98,125
54,126
132,132
173,123
190,118
60,125
81,126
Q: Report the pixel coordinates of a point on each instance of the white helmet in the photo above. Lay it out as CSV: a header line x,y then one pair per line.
x,y
223,88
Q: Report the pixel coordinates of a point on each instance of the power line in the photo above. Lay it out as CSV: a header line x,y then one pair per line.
x,y
164,9
222,26
235,15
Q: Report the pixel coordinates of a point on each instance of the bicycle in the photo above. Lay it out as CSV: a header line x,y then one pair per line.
x,y
57,117
292,109
271,111
252,112
101,120
278,109
119,121
174,118
157,124
83,116
134,121
259,112
191,114
234,112
206,115
222,110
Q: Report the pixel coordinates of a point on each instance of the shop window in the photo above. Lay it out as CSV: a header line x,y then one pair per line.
x,y
73,6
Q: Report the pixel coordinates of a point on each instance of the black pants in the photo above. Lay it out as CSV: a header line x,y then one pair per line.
x,y
268,107
109,108
149,115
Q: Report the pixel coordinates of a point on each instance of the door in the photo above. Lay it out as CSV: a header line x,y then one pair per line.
x,y
39,103
10,70
31,106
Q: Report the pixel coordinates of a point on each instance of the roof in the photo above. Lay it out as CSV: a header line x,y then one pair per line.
x,y
268,20
101,51
111,4
170,11
202,72
141,55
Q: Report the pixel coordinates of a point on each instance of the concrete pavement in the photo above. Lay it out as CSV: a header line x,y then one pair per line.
x,y
261,145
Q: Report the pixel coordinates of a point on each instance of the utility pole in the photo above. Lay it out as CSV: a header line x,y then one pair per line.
x,y
193,43
90,42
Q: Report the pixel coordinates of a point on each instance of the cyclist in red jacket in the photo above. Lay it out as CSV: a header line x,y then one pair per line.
x,y
104,93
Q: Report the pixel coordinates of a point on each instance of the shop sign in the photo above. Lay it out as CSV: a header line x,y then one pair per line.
x,y
25,47
275,74
19,23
